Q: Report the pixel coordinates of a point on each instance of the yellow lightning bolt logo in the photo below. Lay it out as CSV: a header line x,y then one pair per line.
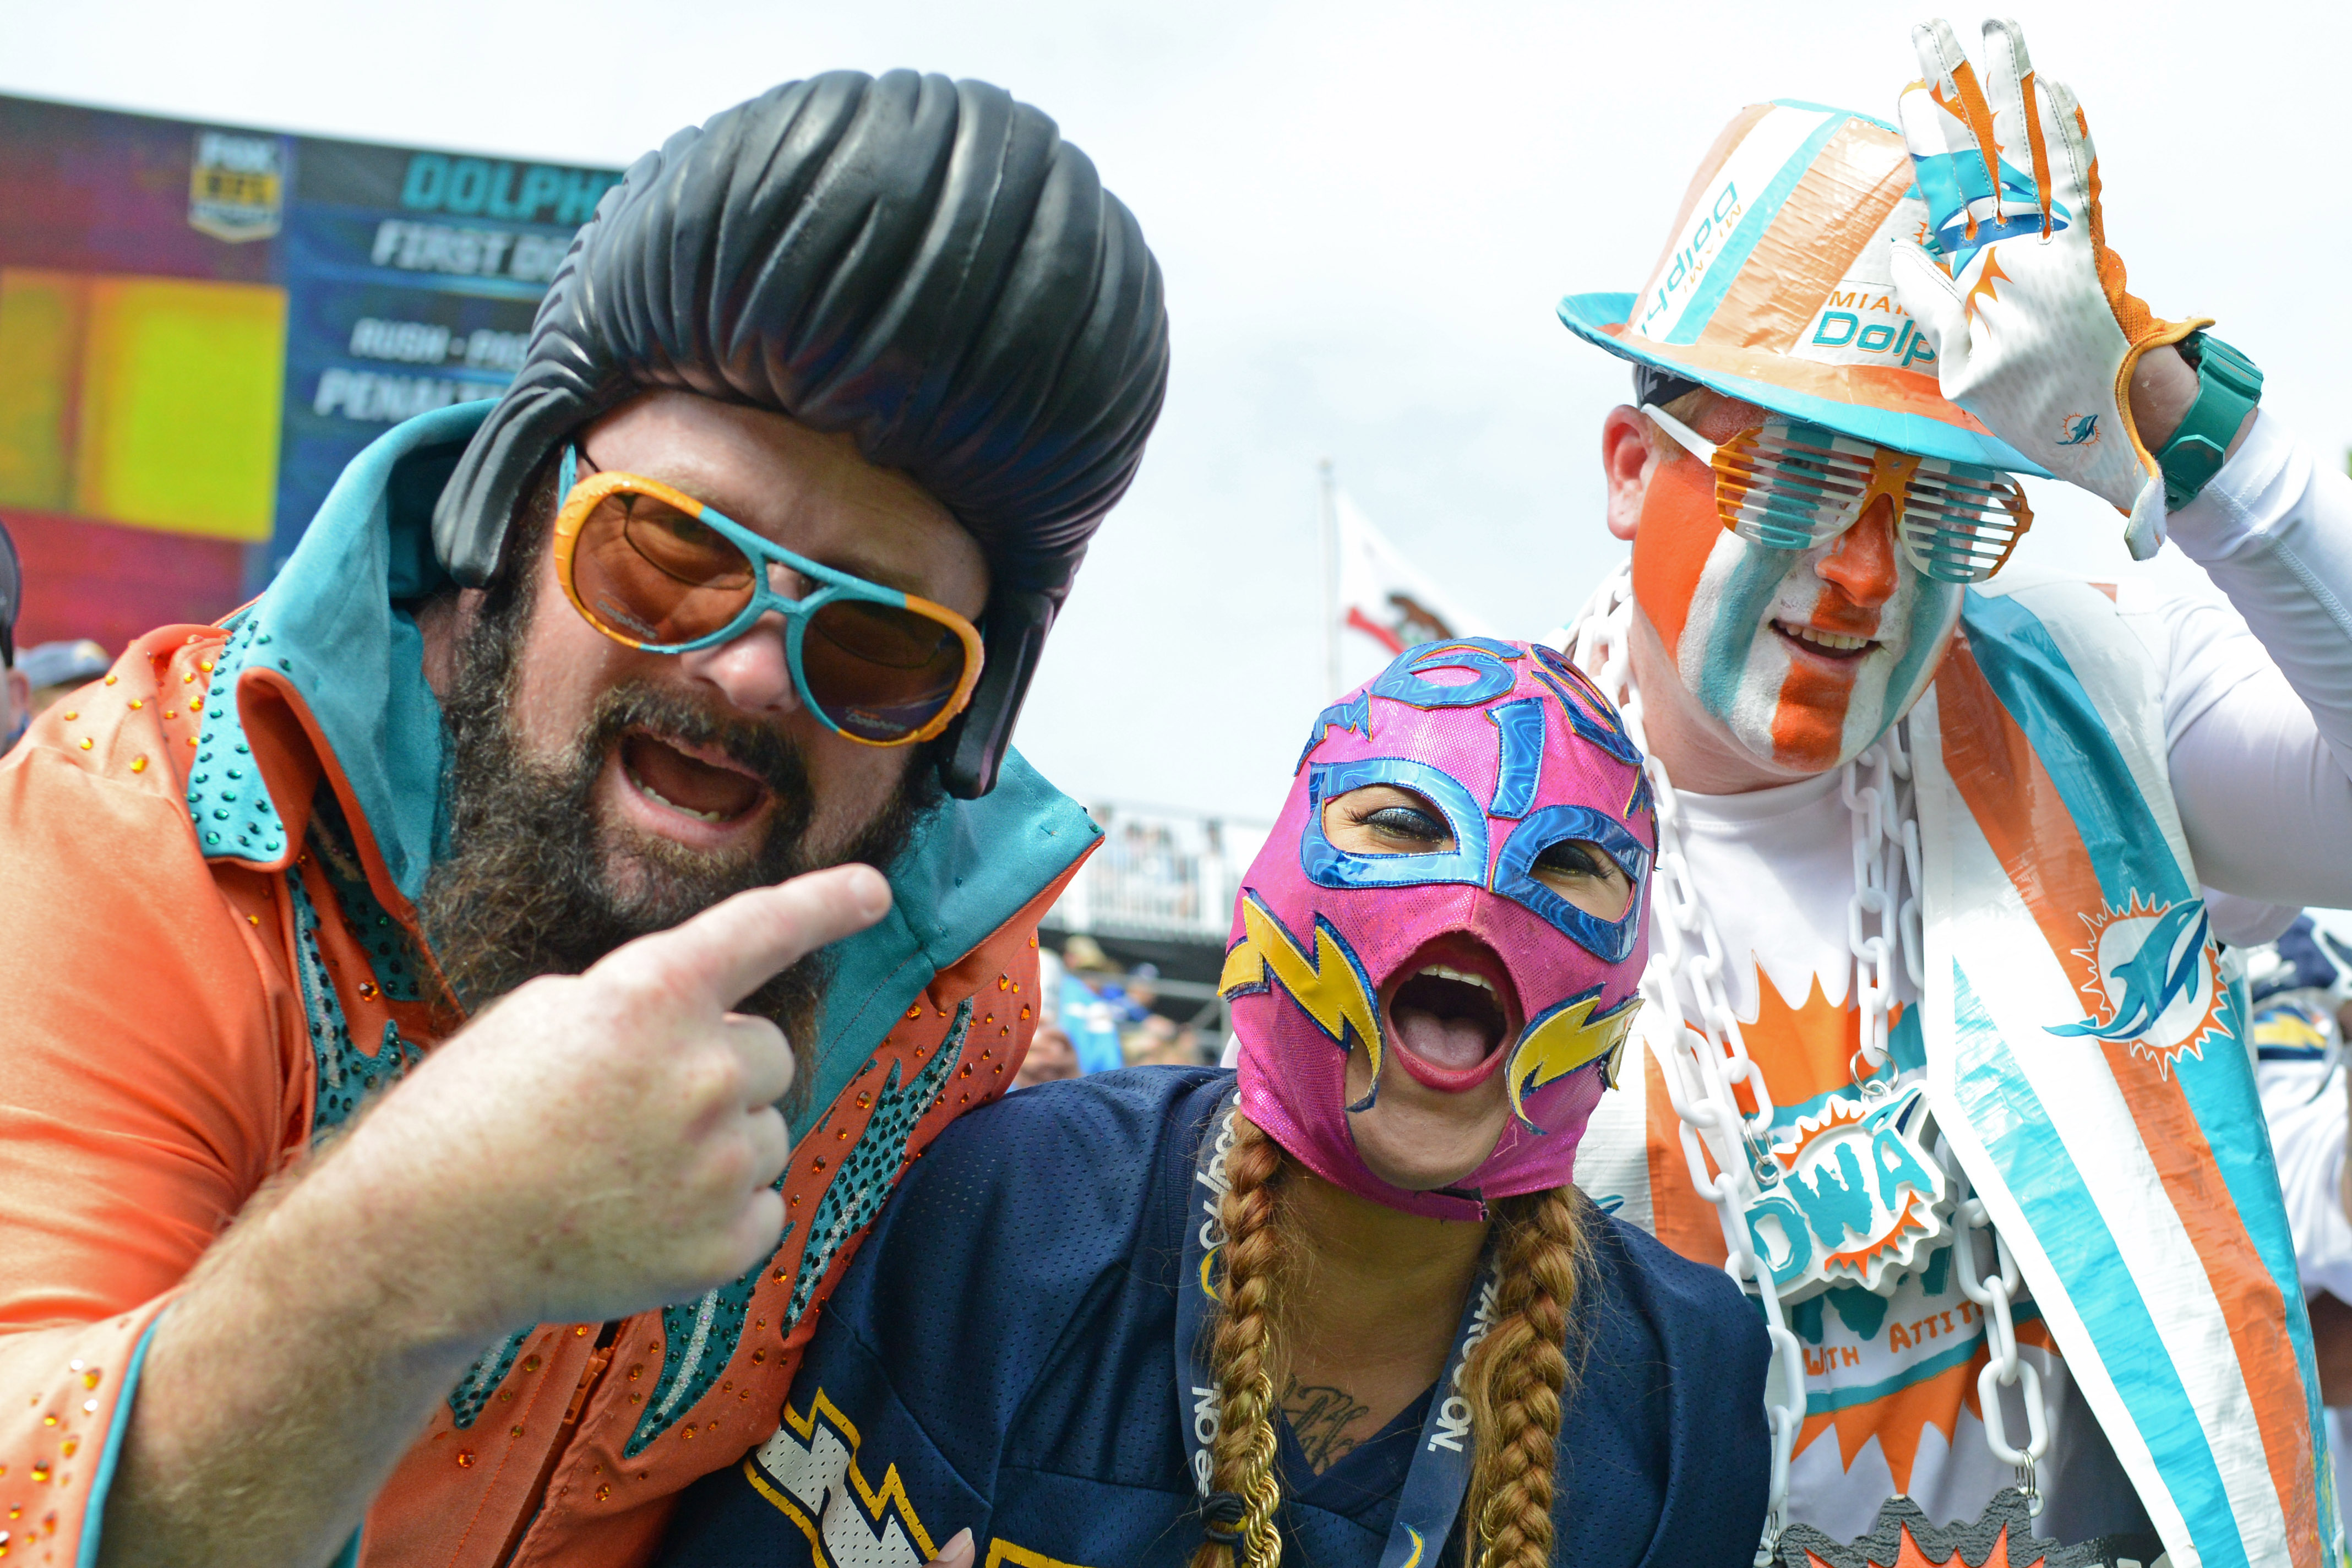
x,y
1563,1040
1987,275
1330,987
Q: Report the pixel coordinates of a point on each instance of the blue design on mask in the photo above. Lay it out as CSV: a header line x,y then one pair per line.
x,y
1484,657
1596,721
1521,727
1328,866
1611,941
1354,714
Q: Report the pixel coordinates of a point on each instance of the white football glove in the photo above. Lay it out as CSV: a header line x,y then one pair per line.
x,y
2016,288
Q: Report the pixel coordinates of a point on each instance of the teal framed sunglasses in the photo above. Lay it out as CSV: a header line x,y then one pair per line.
x,y
653,568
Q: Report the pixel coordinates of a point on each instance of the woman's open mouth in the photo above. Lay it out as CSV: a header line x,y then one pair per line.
x,y
691,781
1451,1011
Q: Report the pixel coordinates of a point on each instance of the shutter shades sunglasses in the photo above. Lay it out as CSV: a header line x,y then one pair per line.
x,y
653,568
1786,484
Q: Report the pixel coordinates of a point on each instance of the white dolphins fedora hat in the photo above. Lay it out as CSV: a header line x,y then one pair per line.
x,y
1776,286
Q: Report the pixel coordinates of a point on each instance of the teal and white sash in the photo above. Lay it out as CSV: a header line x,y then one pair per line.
x,y
2085,1057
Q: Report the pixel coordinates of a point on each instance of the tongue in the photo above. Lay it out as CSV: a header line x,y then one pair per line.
x,y
686,781
1452,1044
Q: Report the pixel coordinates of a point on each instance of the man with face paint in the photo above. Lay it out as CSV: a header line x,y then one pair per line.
x,y
1943,1054
1345,1307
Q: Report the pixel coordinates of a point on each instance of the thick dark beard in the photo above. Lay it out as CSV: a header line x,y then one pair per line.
x,y
532,885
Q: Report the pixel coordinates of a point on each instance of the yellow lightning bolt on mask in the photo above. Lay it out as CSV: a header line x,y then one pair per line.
x,y
1330,987
1563,1040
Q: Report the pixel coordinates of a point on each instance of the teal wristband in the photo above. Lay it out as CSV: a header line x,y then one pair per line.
x,y
2228,385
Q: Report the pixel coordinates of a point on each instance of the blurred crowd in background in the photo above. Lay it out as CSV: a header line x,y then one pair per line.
x,y
53,669
33,678
1102,1016
2300,987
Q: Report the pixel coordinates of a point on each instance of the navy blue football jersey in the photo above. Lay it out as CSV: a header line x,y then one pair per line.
x,y
1001,1355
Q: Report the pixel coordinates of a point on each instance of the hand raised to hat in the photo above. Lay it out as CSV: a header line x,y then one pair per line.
x,y
2033,330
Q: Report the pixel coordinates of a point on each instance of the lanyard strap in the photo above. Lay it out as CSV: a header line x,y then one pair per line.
x,y
1440,1474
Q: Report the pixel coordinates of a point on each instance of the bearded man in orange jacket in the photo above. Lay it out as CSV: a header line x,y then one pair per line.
x,y
408,979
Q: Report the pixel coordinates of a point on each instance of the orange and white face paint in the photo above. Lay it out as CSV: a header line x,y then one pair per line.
x,y
1806,655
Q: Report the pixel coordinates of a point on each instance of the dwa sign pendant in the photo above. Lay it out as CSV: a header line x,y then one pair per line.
x,y
1850,1196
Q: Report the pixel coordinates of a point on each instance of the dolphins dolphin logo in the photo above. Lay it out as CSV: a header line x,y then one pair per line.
x,y
2081,430
2164,968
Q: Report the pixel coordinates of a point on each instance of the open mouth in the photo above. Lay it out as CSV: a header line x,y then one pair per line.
x,y
691,782
1451,1011
1822,644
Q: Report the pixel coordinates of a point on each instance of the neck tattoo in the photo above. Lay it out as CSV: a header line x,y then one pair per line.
x,y
1319,1416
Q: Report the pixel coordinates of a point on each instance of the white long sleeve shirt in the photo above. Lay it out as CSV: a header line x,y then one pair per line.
x,y
2258,691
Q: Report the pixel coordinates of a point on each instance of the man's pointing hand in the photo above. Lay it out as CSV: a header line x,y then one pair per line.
x,y
593,1145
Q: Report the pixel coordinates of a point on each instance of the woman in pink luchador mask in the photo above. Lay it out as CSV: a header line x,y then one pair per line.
x,y
1346,1304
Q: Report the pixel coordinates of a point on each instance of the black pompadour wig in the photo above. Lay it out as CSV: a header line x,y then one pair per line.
x,y
923,263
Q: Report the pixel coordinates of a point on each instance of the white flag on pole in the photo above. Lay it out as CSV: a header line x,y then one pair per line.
x,y
1384,599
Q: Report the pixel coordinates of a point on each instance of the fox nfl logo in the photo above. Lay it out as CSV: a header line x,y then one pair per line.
x,y
237,187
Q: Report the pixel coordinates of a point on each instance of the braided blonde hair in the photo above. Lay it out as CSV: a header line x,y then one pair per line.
x,y
1244,1352
1515,1378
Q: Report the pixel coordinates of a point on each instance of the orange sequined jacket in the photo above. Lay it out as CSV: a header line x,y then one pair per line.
x,y
207,864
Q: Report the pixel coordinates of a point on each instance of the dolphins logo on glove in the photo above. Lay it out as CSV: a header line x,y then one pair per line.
x,y
2081,430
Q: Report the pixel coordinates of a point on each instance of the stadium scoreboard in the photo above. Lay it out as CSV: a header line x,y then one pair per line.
x,y
205,323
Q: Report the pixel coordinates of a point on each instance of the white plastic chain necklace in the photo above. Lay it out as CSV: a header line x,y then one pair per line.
x,y
1713,1058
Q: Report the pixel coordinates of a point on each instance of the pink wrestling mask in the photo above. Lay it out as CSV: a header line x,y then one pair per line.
x,y
1520,755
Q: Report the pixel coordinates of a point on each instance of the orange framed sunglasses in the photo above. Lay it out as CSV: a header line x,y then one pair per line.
x,y
653,568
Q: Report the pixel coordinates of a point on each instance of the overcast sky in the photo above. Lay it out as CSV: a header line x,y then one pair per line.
x,y
1366,212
